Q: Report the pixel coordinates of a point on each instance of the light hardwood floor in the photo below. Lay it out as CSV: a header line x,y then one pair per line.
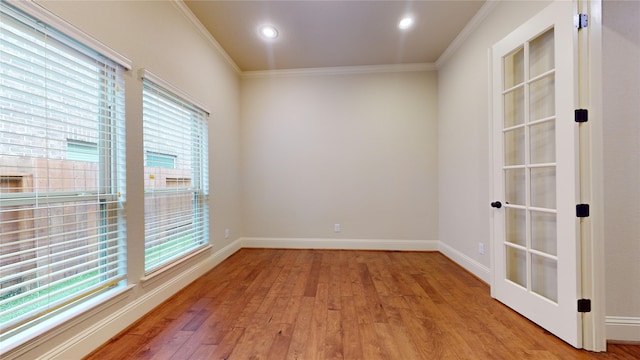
x,y
331,304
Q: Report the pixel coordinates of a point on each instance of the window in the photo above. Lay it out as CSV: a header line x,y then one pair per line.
x,y
62,235
176,186
82,151
161,160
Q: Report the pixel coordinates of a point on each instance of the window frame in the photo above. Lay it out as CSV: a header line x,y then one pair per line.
x,y
109,202
198,186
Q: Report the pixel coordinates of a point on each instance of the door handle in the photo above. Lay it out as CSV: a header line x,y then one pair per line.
x,y
496,204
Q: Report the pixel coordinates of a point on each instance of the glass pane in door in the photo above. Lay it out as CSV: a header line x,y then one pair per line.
x,y
544,278
514,69
514,107
543,187
544,232
542,97
516,265
541,54
514,183
542,142
514,147
516,222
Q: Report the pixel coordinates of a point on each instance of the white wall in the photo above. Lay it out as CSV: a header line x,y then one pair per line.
x,y
355,149
463,137
157,36
621,108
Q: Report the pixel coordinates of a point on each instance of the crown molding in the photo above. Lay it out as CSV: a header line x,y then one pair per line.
x,y
187,13
340,70
469,29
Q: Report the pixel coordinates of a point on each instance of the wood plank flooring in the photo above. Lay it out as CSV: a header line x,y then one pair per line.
x,y
332,304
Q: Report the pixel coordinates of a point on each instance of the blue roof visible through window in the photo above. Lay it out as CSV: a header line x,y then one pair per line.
x,y
82,151
161,160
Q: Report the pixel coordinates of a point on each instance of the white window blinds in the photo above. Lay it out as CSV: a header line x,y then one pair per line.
x,y
62,230
176,175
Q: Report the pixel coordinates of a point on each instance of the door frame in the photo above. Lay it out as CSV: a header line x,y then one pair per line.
x,y
592,256
592,165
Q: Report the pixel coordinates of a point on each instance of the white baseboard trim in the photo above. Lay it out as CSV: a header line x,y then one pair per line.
x,y
340,244
621,328
471,265
87,339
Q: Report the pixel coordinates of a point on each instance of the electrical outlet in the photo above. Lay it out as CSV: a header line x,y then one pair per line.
x,y
337,228
227,233
481,248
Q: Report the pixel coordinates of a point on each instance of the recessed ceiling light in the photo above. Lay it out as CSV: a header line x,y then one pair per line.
x,y
405,23
269,32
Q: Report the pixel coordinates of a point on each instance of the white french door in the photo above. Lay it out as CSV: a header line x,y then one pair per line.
x,y
535,246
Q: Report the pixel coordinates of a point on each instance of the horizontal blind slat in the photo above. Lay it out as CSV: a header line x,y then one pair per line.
x,y
109,260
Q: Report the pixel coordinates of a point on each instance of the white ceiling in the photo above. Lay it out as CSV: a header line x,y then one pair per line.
x,y
325,33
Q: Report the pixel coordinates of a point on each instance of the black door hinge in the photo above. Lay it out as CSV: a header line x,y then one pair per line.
x,y
583,21
584,305
581,115
582,210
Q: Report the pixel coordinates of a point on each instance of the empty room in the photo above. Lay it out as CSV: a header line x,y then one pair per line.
x,y
194,179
